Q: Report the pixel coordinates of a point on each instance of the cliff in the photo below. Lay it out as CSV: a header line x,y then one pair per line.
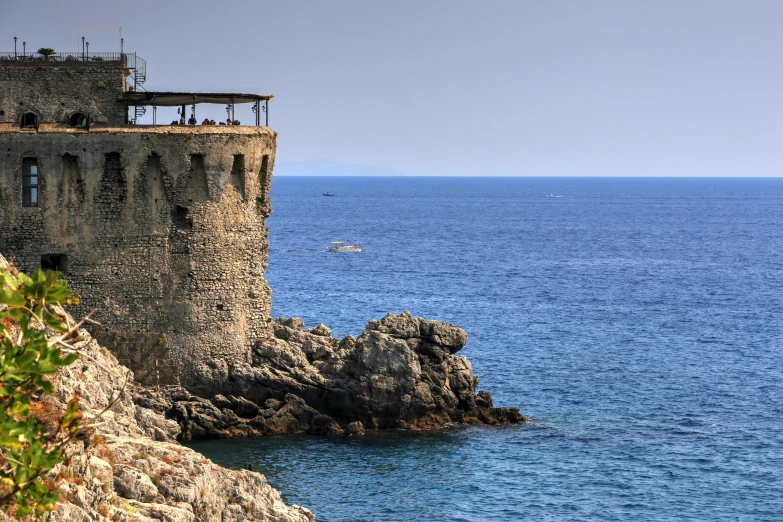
x,y
130,468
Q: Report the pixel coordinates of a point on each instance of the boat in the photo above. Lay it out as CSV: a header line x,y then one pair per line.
x,y
340,246
328,194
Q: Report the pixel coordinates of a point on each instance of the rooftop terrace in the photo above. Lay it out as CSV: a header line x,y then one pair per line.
x,y
134,97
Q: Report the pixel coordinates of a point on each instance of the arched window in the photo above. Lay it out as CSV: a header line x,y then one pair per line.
x,y
79,120
30,182
29,119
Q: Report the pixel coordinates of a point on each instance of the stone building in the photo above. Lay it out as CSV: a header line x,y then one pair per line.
x,y
159,228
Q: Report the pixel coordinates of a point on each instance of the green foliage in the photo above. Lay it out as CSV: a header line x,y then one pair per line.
x,y
29,448
46,51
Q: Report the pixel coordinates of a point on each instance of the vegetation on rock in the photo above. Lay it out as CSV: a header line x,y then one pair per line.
x,y
31,437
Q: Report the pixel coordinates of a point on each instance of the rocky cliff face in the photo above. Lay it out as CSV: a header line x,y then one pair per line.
x,y
130,469
401,373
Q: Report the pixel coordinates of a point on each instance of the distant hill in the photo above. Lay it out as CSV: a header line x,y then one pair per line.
x,y
330,168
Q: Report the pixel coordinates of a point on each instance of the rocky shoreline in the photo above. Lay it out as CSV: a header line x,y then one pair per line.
x,y
400,373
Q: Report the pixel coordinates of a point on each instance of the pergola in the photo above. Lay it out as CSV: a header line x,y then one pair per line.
x,y
182,99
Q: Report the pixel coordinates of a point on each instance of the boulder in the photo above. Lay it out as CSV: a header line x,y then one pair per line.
x,y
133,484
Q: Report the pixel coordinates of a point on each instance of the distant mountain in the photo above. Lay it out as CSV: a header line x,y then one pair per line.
x,y
330,168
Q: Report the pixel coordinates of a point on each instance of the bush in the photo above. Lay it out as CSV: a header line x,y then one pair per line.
x,y
31,438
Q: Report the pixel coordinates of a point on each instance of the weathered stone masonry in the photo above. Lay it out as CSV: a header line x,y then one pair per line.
x,y
55,90
161,229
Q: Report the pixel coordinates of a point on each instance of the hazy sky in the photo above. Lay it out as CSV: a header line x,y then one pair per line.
x,y
604,87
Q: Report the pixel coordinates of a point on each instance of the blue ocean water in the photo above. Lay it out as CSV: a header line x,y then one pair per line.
x,y
640,321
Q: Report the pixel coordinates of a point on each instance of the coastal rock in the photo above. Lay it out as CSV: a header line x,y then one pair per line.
x,y
128,467
355,428
401,372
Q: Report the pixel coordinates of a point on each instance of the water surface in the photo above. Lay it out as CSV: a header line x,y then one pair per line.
x,y
639,320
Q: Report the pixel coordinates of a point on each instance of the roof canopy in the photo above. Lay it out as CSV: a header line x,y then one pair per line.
x,y
175,99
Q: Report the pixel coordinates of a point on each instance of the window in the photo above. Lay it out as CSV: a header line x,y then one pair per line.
x,y
79,121
29,119
30,182
54,262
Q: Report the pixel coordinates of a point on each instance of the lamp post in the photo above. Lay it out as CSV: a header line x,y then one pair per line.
x,y
14,47
122,45
82,48
88,50
24,49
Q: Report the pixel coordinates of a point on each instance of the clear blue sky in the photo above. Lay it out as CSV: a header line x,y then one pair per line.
x,y
451,87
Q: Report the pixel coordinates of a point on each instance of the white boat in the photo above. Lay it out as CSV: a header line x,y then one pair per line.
x,y
340,246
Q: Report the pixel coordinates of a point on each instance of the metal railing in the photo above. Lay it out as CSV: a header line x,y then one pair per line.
x,y
129,60
65,57
139,65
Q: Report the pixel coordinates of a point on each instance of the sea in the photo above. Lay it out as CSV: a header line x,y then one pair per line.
x,y
637,321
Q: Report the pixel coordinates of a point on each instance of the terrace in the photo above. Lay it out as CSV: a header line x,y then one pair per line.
x,y
142,100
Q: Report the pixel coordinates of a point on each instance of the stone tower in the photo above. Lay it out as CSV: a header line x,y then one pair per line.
x,y
159,228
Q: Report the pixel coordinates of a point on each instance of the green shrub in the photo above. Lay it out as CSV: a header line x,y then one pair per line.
x,y
29,446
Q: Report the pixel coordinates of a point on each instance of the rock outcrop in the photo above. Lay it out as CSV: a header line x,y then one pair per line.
x,y
130,468
401,373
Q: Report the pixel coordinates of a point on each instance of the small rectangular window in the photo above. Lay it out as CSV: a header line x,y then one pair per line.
x,y
56,262
30,183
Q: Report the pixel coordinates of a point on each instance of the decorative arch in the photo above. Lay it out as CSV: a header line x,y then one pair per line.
x,y
79,120
29,120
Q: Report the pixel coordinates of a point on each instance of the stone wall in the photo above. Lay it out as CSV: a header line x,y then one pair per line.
x,y
149,354
161,229
56,90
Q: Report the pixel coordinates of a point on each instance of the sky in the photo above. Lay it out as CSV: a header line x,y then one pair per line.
x,y
466,88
